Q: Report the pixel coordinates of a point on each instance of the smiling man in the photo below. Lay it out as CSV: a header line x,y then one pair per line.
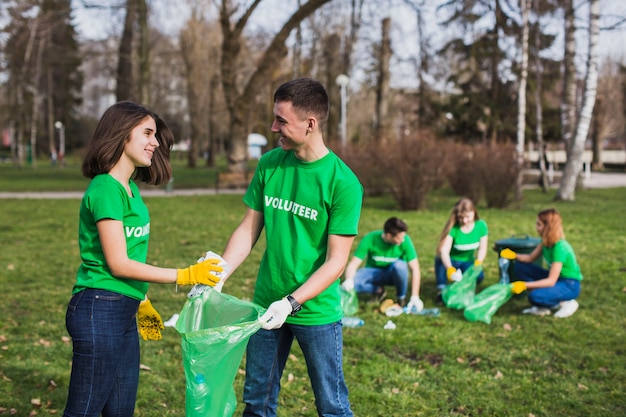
x,y
309,203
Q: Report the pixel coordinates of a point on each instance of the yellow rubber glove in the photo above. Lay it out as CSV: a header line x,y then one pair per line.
x,y
454,275
149,321
450,271
478,263
508,254
518,287
200,273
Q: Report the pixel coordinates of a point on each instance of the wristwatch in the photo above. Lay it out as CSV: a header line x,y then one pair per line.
x,y
295,306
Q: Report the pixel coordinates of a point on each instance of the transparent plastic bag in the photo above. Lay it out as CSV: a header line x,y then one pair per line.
x,y
488,302
214,329
349,302
460,294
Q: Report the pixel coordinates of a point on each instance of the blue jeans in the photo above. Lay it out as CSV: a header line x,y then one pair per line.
x,y
441,275
265,361
565,288
371,280
105,359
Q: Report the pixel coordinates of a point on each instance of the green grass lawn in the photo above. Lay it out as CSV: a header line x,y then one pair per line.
x,y
445,366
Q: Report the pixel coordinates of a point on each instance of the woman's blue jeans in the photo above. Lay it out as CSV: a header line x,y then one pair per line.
x,y
370,280
565,288
105,359
265,361
441,275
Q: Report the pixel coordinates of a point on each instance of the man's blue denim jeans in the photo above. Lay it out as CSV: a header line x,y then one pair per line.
x,y
565,288
105,360
265,361
441,275
370,280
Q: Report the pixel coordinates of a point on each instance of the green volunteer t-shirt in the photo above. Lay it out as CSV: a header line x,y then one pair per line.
x,y
464,245
106,198
302,203
380,254
563,252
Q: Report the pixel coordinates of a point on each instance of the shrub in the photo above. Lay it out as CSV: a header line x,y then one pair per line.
x,y
413,167
499,174
488,171
465,173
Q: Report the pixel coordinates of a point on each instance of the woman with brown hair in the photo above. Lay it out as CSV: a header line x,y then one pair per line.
x,y
555,288
463,243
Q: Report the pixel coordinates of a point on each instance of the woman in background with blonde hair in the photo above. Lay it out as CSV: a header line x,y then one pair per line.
x,y
556,288
463,243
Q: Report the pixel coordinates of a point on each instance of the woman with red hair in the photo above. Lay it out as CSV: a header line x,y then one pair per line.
x,y
555,288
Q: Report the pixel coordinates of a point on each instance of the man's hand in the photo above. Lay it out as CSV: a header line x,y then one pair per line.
x,y
149,321
518,287
200,273
454,275
276,314
508,254
348,285
415,304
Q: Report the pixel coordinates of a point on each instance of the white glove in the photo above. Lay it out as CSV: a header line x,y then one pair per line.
x,y
415,304
348,285
276,314
456,276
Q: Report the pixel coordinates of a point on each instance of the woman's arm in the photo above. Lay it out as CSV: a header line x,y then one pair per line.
x,y
553,276
444,253
482,248
113,243
531,257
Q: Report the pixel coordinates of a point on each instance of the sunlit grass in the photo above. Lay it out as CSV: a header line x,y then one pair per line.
x,y
428,366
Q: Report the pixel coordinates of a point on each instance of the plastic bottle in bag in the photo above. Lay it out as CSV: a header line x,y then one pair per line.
x,y
352,322
200,396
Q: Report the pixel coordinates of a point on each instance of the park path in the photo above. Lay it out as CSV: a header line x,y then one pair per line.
x,y
595,180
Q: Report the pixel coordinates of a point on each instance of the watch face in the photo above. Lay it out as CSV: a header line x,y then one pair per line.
x,y
295,306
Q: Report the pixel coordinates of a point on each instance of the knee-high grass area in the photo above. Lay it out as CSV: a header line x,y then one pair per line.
x,y
519,365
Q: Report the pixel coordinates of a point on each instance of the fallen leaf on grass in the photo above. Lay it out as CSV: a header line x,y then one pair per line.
x,y
3,338
44,342
475,361
11,267
67,340
460,360
144,367
507,327
395,391
290,378
582,387
36,402
499,375
603,370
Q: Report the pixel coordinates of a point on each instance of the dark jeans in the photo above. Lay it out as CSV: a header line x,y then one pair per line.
x,y
565,288
441,275
105,359
267,355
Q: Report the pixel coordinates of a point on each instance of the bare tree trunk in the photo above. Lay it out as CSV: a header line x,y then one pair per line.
x,y
239,104
37,99
494,123
596,138
568,104
575,149
521,99
383,125
50,101
543,179
144,53
124,80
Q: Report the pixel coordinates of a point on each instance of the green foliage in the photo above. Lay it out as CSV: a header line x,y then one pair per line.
x,y
445,366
